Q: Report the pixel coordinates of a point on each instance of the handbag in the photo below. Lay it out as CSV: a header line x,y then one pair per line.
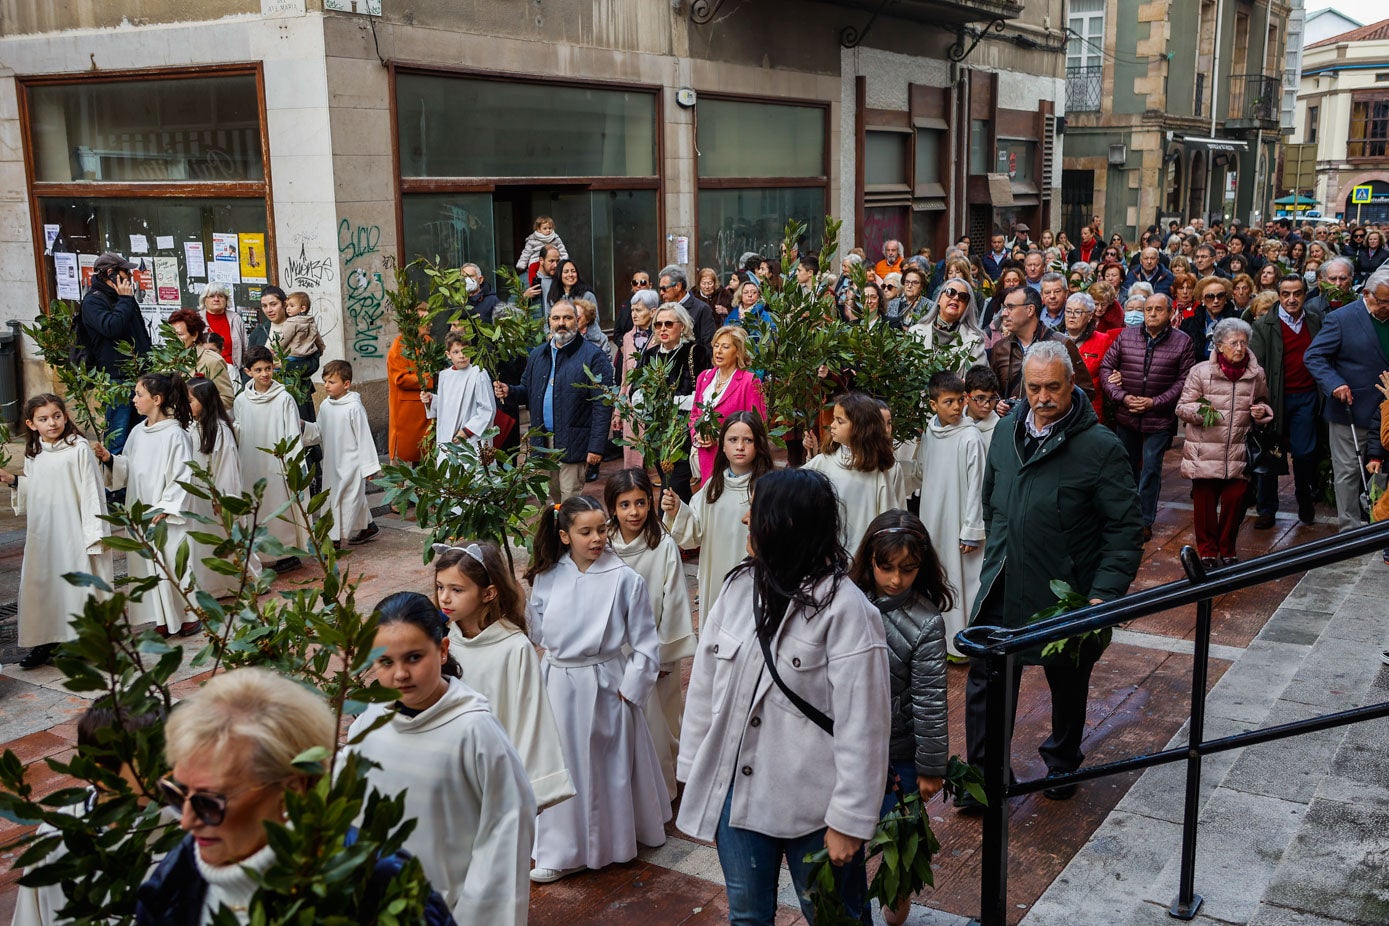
x,y
1266,454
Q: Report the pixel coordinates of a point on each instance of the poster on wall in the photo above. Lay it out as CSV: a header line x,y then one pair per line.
x,y
86,264
144,282
226,259
139,244
166,281
50,235
193,257
253,258
66,266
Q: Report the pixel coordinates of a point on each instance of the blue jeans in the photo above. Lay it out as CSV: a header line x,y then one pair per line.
x,y
905,771
1145,457
1299,426
120,419
751,864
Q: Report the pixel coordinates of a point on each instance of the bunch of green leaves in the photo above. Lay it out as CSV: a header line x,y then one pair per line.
x,y
88,390
906,843
168,356
646,401
1335,294
897,369
1072,648
510,335
707,421
1210,415
313,632
414,316
5,438
477,493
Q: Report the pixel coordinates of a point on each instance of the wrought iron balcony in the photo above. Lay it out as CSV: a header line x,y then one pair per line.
x,y
1254,101
1083,89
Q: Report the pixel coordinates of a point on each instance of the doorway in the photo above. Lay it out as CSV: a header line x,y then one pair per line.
x,y
514,210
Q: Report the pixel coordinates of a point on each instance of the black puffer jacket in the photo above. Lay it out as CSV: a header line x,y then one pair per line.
x,y
916,658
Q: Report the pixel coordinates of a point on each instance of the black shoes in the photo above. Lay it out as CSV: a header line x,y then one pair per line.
x,y
1060,792
367,533
967,805
38,656
1306,511
1263,522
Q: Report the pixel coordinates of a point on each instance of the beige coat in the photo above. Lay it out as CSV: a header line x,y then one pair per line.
x,y
789,777
1218,452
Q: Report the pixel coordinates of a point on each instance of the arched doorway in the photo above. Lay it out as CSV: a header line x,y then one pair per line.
x,y
1196,186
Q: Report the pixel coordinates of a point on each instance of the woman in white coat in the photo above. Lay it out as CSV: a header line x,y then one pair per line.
x,y
953,324
765,779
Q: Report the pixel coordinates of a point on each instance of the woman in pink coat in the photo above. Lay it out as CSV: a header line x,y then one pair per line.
x,y
1231,390
728,386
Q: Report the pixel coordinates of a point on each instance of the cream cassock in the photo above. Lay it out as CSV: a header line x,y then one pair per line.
x,y
718,530
263,419
349,458
465,403
224,465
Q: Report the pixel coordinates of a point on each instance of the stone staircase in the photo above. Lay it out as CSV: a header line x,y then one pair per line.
x,y
1292,833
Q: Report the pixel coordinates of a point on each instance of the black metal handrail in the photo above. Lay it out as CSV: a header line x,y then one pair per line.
x,y
998,646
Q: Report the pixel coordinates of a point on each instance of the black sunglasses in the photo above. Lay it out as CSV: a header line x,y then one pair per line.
x,y
208,806
955,293
641,282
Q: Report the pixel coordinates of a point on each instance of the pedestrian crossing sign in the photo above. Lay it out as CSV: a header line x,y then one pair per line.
x,y
1361,194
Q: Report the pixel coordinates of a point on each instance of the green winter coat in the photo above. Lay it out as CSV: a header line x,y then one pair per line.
x,y
1266,344
1069,513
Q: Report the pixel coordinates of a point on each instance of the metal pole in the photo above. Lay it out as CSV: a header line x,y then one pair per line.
x,y
1215,79
998,763
1188,901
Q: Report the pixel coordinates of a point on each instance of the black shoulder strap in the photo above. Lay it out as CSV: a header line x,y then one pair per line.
x,y
812,713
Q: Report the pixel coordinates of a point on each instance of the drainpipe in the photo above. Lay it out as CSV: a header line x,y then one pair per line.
x,y
1215,81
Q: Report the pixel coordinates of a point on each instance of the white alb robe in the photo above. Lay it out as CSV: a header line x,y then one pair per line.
x,y
986,429
155,461
465,402
349,460
224,465
718,530
583,620
500,664
952,508
862,495
660,567
263,419
466,788
61,496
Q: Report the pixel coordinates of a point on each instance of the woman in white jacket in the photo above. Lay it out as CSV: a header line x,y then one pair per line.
x,y
765,778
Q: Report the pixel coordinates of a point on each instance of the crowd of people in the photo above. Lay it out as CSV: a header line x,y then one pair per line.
x,y
829,591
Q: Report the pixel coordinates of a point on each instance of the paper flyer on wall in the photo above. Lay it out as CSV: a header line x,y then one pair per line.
x,y
226,259
221,271
193,258
164,242
166,281
139,244
50,235
66,266
86,266
144,282
253,258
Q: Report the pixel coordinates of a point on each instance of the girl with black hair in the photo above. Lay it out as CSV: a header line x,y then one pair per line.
x,y
589,610
60,495
486,614
155,460
897,569
642,543
441,748
785,744
215,437
861,465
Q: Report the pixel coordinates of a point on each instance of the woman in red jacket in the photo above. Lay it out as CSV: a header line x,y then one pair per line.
x,y
1089,340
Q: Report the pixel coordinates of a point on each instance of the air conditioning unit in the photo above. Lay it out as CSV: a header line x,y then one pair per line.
x,y
1118,154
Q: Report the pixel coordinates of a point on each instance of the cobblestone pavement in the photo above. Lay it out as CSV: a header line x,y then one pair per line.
x,y
1138,700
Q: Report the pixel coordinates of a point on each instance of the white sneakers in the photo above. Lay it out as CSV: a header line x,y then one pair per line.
x,y
546,875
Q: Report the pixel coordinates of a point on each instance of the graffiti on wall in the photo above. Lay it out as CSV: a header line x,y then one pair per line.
x,y
364,292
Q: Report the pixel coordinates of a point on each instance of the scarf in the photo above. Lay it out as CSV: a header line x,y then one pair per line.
x,y
1232,371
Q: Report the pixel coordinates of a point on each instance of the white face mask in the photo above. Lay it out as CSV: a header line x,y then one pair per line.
x,y
1311,277
470,285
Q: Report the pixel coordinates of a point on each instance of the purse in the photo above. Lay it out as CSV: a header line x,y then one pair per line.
x,y
1266,454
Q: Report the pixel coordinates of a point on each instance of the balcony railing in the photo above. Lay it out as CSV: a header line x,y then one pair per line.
x,y
1083,89
1254,98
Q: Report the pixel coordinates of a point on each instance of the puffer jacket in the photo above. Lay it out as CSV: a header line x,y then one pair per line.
x,y
1155,368
1218,451
916,660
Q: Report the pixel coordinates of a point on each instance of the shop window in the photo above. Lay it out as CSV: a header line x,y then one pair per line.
x,y
886,159
185,129
885,223
751,139
1017,159
735,222
928,147
468,127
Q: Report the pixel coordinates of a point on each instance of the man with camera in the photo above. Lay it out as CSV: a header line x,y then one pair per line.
x,y
108,317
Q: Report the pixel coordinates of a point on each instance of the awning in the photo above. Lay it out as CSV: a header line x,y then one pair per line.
x,y
1295,200
1214,145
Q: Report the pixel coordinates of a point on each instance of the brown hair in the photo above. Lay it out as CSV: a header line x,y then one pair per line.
x,y
339,368
889,534
192,321
872,448
509,604
634,479
33,444
300,296
547,547
762,456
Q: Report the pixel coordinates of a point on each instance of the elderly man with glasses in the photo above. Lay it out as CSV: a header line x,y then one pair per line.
x,y
1020,313
674,286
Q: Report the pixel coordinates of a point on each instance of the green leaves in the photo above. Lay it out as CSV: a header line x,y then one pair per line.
x,y
646,401
1072,648
1210,416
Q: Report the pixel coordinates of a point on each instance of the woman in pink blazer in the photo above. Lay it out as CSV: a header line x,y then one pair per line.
x,y
728,386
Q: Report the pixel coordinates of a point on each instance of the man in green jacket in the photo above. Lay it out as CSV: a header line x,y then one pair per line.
x,y
1059,503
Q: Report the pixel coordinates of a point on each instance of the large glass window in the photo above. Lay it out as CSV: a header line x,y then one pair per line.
x,y
1017,159
1369,129
887,160
467,127
188,129
737,138
928,147
735,222
979,147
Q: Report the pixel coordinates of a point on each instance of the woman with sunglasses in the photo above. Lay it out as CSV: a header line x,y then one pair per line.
x,y
952,324
1212,305
232,746
686,358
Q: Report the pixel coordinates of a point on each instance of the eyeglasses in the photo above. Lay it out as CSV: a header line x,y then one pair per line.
x,y
1076,313
1009,306
641,282
208,806
954,293
986,399
668,323
1214,297
889,286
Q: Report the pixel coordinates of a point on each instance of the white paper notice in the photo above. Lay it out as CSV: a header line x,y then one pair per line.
x,y
682,249
66,266
226,259
139,244
193,257
166,282
221,271
50,234
164,242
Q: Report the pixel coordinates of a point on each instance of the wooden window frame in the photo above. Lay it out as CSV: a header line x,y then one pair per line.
x,y
1361,141
155,190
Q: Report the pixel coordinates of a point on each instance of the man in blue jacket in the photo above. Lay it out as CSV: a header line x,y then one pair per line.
x,y
563,402
1346,358
109,317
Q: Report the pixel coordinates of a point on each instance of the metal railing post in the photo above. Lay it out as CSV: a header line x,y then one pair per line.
x,y
1188,901
998,764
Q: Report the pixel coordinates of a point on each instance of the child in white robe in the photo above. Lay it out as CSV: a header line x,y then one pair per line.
x,y
464,785
349,455
155,460
907,454
266,414
640,541
981,391
465,405
60,494
588,610
215,441
486,611
952,501
713,520
861,466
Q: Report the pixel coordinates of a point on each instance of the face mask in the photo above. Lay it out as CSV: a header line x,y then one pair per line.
x,y
1311,277
1133,319
470,285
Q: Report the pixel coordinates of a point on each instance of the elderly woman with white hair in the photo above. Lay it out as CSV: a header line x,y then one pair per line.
x,y
231,746
636,340
1081,327
221,317
1222,399
952,323
686,358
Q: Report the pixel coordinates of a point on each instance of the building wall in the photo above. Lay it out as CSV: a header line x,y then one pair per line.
x,y
1331,75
